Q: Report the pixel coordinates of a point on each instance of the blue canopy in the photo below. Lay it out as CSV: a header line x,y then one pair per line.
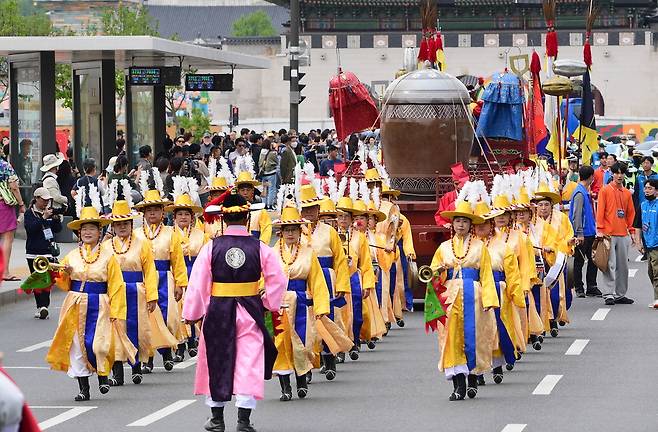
x,y
502,112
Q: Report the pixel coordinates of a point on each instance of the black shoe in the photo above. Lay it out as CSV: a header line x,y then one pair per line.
x,y
309,377
147,367
534,340
286,388
480,380
509,366
400,323
193,347
117,375
645,257
498,374
330,366
472,389
518,356
459,385
83,383
137,373
330,375
43,313
340,357
103,384
137,378
244,425
180,354
554,330
624,300
593,292
371,344
580,294
354,353
168,361
540,338
216,422
302,386
609,301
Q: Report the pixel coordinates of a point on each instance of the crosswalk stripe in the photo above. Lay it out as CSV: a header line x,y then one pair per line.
x,y
44,344
577,347
600,314
65,416
514,427
546,385
164,412
187,363
632,272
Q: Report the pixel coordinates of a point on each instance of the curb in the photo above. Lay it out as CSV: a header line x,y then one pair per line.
x,y
9,294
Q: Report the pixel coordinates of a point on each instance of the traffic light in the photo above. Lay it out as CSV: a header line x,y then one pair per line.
x,y
235,115
300,86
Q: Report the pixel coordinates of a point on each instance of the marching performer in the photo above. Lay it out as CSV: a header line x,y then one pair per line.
x,y
373,323
326,242
185,211
327,213
464,267
385,266
91,319
260,223
236,351
135,257
307,299
168,253
507,280
362,276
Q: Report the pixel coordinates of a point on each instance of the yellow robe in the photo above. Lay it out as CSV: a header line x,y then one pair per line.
x,y
88,316
512,296
167,246
403,233
327,244
295,354
385,261
191,245
452,338
543,236
261,223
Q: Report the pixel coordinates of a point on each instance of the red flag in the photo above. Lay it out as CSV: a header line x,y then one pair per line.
x,y
534,122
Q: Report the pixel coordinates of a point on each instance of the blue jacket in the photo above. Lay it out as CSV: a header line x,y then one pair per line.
x,y
588,219
650,223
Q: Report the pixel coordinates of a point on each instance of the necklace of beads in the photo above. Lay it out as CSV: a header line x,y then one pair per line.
x,y
83,255
468,247
130,240
294,256
186,231
148,234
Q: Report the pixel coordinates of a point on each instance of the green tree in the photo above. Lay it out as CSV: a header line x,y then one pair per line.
x,y
128,21
253,24
197,123
19,18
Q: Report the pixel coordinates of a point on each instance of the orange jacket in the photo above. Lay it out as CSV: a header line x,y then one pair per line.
x,y
611,200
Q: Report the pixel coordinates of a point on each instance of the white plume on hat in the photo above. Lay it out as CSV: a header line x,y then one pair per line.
x,y
185,185
225,171
286,192
481,190
80,200
376,195
244,164
95,198
473,193
516,181
354,189
497,185
212,168
364,192
159,184
144,181
342,186
112,192
127,191
332,186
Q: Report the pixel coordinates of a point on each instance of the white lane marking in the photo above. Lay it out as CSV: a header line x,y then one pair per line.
x,y
545,387
65,416
600,314
632,272
164,412
577,347
514,427
638,258
187,363
27,367
44,344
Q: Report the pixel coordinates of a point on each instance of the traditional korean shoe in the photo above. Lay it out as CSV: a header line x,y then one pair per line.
x,y
554,330
481,380
103,384
472,389
309,377
137,374
83,383
330,366
400,323
244,425
216,422
193,347
117,375
540,338
147,367
286,388
509,366
302,386
371,344
498,374
459,385
168,361
354,353
180,353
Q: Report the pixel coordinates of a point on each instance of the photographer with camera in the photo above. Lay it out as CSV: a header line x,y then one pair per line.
x,y
41,224
50,166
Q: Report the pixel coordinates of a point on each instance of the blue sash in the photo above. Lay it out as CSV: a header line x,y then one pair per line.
x,y
393,274
189,262
93,305
327,263
535,294
299,287
132,278
408,294
378,288
89,287
469,276
163,267
506,345
357,306
555,295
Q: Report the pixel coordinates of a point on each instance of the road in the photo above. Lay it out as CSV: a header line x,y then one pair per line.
x,y
598,375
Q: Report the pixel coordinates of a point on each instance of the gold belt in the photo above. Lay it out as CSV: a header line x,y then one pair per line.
x,y
240,289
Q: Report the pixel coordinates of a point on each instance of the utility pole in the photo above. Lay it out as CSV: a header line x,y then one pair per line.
x,y
293,49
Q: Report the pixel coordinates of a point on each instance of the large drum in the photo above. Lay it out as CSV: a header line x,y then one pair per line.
x,y
425,128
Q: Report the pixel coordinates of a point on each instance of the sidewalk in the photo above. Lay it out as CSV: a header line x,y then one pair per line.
x,y
18,267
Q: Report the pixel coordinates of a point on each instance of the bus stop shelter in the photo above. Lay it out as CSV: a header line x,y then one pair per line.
x,y
94,60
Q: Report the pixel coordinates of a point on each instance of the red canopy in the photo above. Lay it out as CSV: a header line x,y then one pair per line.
x,y
351,106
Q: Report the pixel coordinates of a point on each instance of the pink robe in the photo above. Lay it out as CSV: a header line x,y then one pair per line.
x,y
250,357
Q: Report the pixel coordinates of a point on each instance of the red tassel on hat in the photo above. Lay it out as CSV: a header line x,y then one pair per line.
x,y
551,42
212,217
587,52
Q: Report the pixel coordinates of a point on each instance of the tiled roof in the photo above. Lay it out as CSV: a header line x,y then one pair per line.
x,y
209,21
